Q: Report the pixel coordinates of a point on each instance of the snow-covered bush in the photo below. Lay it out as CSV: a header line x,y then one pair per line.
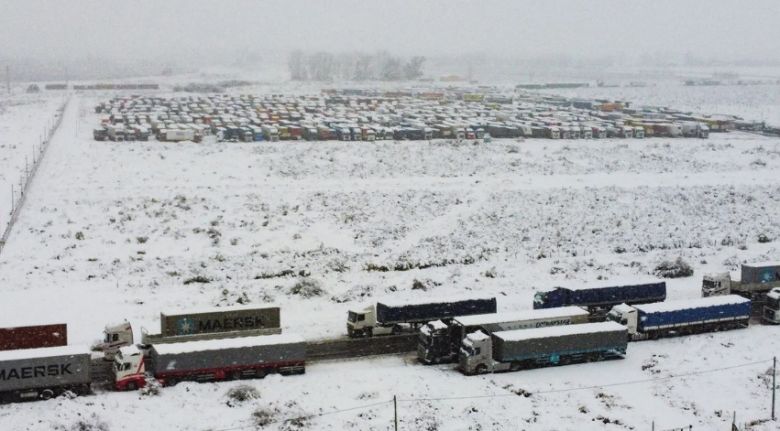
x,y
673,269
307,288
240,394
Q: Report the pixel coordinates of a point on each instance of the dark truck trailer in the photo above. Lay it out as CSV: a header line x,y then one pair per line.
x,y
438,342
386,317
663,319
34,336
211,360
31,374
555,345
601,298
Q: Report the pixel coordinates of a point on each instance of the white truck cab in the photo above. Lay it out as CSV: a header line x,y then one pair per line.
x,y
129,368
363,322
476,355
626,315
115,336
772,306
716,284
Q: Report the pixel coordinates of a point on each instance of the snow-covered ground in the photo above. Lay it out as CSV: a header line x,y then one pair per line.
x,y
23,120
118,230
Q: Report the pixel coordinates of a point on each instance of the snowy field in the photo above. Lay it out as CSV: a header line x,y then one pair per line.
x,y
121,230
23,119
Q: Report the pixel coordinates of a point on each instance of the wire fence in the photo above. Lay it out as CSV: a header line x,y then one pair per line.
x,y
19,189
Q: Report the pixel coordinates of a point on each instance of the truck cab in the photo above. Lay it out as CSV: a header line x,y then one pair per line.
x,y
626,315
772,307
115,337
129,368
476,354
363,323
435,343
716,284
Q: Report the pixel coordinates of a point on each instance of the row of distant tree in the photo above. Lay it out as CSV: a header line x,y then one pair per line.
x,y
380,66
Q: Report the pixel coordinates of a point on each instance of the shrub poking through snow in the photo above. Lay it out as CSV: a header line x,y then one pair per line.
x,y
673,269
240,394
307,288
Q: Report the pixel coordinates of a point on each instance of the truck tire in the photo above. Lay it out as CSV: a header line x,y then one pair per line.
x,y
369,332
46,394
132,386
481,369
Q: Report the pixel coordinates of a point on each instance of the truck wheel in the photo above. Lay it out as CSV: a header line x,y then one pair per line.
x,y
47,394
481,369
132,386
369,332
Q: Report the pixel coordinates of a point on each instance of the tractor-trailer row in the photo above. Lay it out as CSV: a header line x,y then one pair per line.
x,y
648,321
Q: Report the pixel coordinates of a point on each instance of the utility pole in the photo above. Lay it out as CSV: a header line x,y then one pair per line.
x,y
774,375
395,411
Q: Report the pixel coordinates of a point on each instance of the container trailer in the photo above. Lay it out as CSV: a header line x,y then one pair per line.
x,y
389,317
672,318
601,298
43,373
528,348
756,280
438,342
197,324
209,360
33,336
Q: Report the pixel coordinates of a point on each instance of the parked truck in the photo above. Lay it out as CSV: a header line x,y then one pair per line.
x,y
529,348
439,342
600,299
33,336
390,318
209,360
756,280
672,318
771,311
198,324
31,374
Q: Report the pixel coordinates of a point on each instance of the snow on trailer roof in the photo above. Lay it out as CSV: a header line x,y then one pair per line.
x,y
226,343
206,310
399,302
762,264
514,316
587,286
44,352
558,331
683,304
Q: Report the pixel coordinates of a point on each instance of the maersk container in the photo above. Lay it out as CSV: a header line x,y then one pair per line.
x,y
556,341
219,319
387,313
29,374
602,296
698,311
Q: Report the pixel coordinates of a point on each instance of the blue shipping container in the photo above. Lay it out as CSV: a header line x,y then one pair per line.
x,y
425,312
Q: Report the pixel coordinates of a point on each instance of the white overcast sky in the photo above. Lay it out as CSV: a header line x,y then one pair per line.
x,y
150,28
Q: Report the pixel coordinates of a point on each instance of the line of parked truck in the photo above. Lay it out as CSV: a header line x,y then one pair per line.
x,y
566,325
387,116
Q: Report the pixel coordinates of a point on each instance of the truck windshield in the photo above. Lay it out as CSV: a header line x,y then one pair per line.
x,y
352,317
709,284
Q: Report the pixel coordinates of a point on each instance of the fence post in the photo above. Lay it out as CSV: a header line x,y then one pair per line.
x,y
774,374
395,411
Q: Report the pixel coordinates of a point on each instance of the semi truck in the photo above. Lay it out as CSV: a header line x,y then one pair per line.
x,y
598,300
32,374
755,281
386,317
209,360
33,336
771,311
671,318
529,348
438,342
196,324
